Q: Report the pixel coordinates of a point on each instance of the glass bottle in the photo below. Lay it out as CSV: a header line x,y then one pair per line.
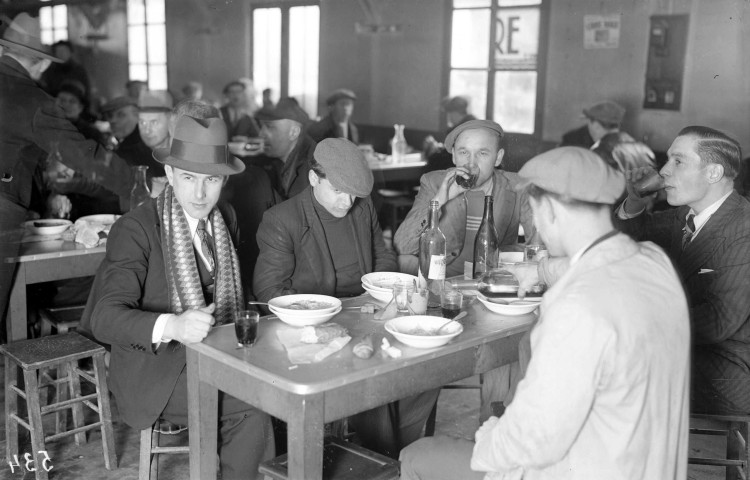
x,y
432,253
140,191
485,244
398,144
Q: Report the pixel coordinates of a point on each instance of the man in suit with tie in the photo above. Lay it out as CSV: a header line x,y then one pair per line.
x,y
170,273
708,239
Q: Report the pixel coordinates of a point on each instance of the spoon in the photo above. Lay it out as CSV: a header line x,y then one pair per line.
x,y
253,302
454,319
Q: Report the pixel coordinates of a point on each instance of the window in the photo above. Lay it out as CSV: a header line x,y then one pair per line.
x,y
147,43
53,22
494,60
285,51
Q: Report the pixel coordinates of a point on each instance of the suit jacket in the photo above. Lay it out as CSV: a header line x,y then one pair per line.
x,y
511,209
294,254
326,128
245,125
715,270
129,293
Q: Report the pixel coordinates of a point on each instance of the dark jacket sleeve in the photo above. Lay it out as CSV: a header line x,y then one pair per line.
x,y
384,260
275,265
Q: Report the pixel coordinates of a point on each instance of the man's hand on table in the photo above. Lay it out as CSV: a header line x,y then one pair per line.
x,y
190,326
527,274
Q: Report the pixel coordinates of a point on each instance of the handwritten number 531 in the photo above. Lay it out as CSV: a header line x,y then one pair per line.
x,y
30,462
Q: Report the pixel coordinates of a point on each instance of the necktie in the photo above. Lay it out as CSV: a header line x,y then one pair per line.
x,y
207,245
688,230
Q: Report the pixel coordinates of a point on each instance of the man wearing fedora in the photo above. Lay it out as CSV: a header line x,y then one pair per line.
x,y
338,123
170,273
29,124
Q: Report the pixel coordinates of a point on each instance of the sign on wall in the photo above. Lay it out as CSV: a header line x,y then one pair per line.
x,y
601,31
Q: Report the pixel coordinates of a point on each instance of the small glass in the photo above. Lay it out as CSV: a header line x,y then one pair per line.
x,y
534,252
418,301
402,295
651,182
246,327
451,302
471,182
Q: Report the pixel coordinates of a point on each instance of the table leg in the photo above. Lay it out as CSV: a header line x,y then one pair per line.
x,y
305,430
203,422
16,320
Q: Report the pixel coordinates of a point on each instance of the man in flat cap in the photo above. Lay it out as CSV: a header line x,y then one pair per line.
x,y
240,124
601,118
338,123
287,143
170,273
456,112
605,393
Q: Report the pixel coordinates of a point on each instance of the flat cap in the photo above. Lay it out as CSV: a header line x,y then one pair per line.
x,y
455,104
574,172
118,103
345,166
285,109
606,112
339,94
450,139
155,101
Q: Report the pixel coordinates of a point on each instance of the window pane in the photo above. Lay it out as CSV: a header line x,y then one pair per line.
x,y
157,77
60,16
157,43
138,72
155,11
61,34
470,3
517,38
267,49
516,3
137,44
515,101
304,27
45,18
471,84
471,38
136,12
48,37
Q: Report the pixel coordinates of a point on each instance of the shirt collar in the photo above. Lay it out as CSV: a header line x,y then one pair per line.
x,y
193,223
701,218
580,252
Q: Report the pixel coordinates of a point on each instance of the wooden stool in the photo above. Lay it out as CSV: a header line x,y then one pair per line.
x,y
341,461
62,352
736,429
62,318
150,451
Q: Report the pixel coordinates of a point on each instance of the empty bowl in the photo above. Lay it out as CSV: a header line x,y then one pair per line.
x,y
385,280
49,226
420,331
510,306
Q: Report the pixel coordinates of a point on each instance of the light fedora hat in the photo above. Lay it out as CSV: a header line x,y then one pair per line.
x,y
200,146
23,34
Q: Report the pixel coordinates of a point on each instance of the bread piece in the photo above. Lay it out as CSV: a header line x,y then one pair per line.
x,y
322,333
364,348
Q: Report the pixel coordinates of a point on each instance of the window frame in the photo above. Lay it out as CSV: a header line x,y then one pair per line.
x,y
54,28
145,26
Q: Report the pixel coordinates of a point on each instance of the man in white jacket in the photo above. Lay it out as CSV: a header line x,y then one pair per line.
x,y
606,390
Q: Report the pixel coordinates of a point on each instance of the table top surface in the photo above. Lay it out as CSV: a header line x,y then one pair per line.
x,y
267,360
396,166
54,248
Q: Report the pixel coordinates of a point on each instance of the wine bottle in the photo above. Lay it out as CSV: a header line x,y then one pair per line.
x,y
140,191
485,243
432,253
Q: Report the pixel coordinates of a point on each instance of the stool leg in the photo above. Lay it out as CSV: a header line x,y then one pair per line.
x,y
35,422
75,392
61,394
105,414
11,408
154,470
734,449
144,467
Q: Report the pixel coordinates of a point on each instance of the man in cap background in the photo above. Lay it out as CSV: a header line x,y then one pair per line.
x,y
144,305
66,71
288,147
607,382
601,118
235,114
338,123
456,112
154,118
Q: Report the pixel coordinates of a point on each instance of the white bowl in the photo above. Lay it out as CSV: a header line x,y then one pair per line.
x,y
284,303
384,280
515,306
401,326
49,226
511,257
384,296
305,319
105,219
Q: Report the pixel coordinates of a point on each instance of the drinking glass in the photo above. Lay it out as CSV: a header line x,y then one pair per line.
x,y
246,327
471,182
451,302
534,252
418,301
402,295
651,182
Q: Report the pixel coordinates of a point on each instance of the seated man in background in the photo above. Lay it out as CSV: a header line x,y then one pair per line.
x,y
144,302
154,118
236,117
70,98
456,112
602,119
122,115
338,122
322,241
605,393
708,239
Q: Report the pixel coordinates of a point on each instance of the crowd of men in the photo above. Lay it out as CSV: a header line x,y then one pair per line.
x,y
646,317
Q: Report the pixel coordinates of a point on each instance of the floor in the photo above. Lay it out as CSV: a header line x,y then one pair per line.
x,y
458,413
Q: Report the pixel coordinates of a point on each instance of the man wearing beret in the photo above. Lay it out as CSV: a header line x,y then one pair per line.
x,y
338,122
288,145
606,390
170,273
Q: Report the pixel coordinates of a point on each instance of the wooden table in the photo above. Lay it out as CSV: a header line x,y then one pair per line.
x,y
392,175
308,396
46,261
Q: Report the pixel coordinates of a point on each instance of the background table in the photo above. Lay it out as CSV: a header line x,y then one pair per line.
x,y
46,261
308,396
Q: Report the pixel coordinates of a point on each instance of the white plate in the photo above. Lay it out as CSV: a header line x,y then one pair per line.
x,y
47,226
304,320
384,296
398,327
282,304
383,281
103,219
514,306
511,257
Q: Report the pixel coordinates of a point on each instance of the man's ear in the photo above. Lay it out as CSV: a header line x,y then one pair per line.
x,y
170,173
295,131
313,177
499,158
714,172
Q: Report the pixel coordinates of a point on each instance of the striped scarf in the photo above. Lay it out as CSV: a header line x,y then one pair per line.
x,y
183,281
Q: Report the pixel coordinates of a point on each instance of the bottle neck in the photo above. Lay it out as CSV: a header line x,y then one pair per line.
x,y
487,216
140,175
434,216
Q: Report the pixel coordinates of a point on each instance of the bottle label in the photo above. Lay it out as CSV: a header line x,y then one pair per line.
x,y
437,267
